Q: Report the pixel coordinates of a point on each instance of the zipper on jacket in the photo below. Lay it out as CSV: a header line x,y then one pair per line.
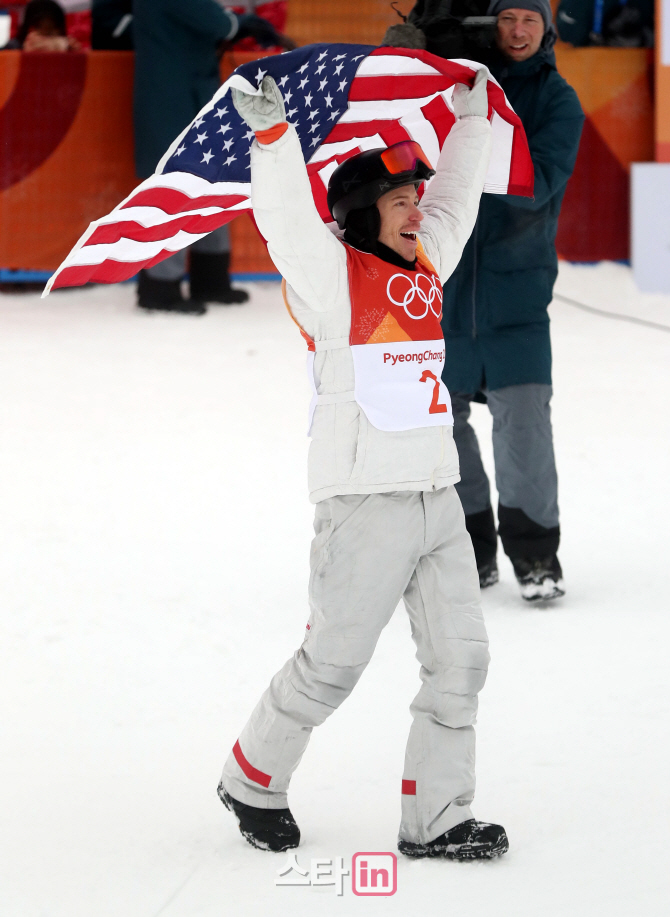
x,y
474,279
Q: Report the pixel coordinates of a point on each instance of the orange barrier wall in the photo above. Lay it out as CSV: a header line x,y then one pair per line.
x,y
66,140
614,86
662,125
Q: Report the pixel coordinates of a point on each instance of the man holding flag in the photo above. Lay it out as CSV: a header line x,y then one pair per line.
x,y
331,145
382,467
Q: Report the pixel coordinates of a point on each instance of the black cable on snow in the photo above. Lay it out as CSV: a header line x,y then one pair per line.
x,y
623,318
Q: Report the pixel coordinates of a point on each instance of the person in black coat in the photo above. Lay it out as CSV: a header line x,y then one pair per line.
x,y
177,49
495,320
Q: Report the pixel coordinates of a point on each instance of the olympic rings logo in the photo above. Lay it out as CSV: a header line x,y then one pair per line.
x,y
414,291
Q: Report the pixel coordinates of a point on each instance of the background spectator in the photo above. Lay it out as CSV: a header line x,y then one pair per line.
x,y
112,25
177,50
617,23
495,319
44,29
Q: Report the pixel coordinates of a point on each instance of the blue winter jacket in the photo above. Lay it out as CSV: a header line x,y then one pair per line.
x,y
495,320
176,70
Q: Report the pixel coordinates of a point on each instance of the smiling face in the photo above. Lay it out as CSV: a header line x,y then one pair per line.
x,y
400,220
520,33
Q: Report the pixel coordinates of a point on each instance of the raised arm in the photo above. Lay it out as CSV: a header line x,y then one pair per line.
x,y
451,201
303,249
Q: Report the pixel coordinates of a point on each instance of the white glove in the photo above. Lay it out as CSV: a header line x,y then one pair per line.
x,y
472,103
261,112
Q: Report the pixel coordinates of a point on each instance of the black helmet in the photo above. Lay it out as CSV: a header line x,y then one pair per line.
x,y
361,180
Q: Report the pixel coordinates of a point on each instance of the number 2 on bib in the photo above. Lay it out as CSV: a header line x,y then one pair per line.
x,y
435,406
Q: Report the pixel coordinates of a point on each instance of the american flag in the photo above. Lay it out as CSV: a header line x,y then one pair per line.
x,y
342,99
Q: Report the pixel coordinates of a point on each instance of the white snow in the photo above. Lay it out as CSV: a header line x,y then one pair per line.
x,y
153,571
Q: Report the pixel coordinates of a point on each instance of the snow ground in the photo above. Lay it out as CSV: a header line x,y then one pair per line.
x,y
153,565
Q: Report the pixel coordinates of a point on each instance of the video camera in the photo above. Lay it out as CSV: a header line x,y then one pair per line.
x,y
455,28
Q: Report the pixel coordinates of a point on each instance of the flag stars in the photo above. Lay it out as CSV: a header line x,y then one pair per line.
x,y
313,127
308,99
322,85
338,69
197,122
206,157
227,145
320,69
200,139
288,97
328,100
282,82
315,141
289,114
223,129
322,55
333,115
260,75
339,57
313,114
303,83
249,135
220,112
303,68
180,150
229,160
342,85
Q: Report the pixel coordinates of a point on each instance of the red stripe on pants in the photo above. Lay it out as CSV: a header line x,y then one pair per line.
x,y
249,770
409,788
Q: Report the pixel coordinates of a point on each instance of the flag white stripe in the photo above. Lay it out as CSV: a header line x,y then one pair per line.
x,y
384,109
500,164
128,250
387,65
326,150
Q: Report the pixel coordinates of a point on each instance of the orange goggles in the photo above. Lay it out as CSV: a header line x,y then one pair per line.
x,y
403,157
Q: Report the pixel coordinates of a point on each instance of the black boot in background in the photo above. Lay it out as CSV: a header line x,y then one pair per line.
x,y
210,280
532,549
165,296
482,530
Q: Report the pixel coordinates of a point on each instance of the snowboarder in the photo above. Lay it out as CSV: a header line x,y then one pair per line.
x,y
382,468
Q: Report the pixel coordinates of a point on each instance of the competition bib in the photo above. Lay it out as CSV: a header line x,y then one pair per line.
x,y
397,343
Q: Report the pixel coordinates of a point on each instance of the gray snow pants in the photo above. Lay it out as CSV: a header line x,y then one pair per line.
x,y
370,551
525,467
174,267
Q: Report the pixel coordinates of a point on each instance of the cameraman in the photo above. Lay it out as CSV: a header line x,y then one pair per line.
x,y
495,319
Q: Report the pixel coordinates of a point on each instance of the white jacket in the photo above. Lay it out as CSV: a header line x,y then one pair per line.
x,y
347,454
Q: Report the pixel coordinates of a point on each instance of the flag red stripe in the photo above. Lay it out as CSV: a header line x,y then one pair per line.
x,y
521,170
440,117
107,271
171,201
249,770
387,88
109,233
389,130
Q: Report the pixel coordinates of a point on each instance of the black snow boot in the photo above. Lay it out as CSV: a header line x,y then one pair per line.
x,y
165,296
482,530
540,579
266,829
488,574
210,280
471,840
